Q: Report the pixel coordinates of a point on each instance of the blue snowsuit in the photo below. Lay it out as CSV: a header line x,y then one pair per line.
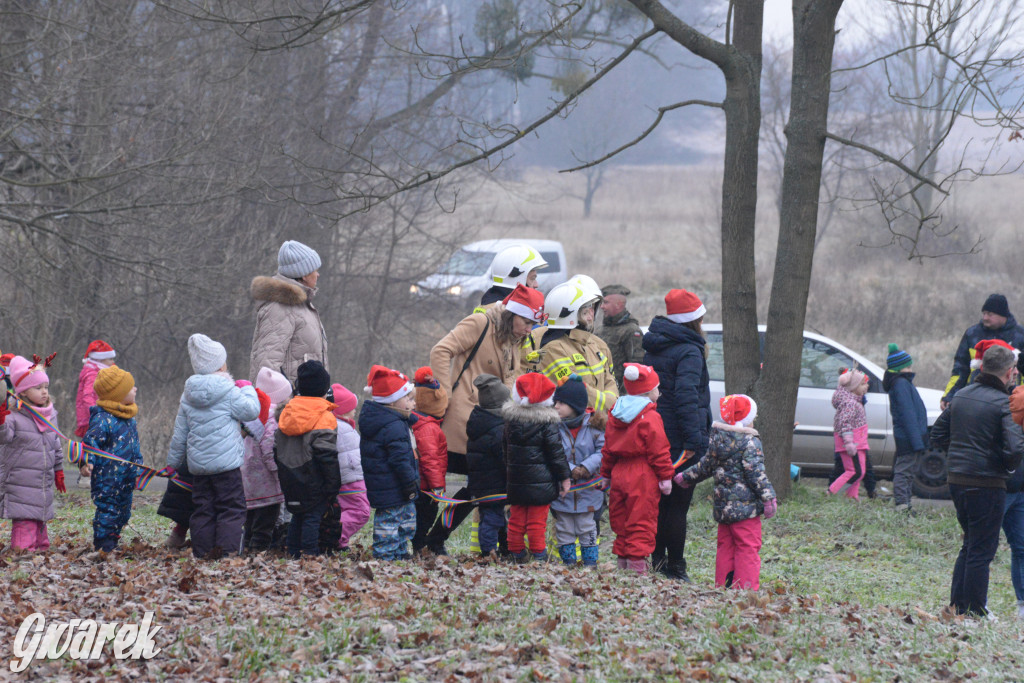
x,y
113,483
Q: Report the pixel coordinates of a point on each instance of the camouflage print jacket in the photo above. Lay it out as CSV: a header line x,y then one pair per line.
x,y
736,460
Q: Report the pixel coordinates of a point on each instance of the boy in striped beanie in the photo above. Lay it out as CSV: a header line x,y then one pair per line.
x,y
909,422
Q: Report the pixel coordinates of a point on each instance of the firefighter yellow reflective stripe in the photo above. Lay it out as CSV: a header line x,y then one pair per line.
x,y
603,398
952,383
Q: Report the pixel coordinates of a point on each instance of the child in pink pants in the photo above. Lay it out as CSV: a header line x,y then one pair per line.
x,y
742,492
851,430
355,506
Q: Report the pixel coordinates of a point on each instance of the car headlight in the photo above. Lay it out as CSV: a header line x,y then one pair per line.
x,y
455,290
414,289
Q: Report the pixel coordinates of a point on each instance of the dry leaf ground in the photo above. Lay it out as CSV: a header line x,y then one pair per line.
x,y
850,592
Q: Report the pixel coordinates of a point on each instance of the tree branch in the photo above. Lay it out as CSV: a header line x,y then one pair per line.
x,y
648,131
890,159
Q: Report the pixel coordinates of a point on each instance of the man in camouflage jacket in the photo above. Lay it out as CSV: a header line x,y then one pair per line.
x,y
620,331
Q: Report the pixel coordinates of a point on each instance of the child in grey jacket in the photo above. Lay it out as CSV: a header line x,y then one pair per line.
x,y
208,437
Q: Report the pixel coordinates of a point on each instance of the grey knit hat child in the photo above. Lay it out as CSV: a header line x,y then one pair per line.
x,y
207,356
295,259
491,392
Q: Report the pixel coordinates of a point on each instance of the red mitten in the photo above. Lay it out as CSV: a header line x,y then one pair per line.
x,y
4,411
58,480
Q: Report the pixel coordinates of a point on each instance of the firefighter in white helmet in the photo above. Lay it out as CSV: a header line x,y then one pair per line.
x,y
567,345
514,265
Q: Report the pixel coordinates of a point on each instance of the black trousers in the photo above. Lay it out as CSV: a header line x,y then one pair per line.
x,y
220,513
259,527
980,513
671,539
426,513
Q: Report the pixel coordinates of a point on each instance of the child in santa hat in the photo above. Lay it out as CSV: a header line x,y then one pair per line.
x,y
353,505
432,448
98,355
263,495
850,426
636,461
538,472
387,453
30,456
742,492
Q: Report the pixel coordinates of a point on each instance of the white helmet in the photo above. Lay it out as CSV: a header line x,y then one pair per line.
x,y
563,304
588,285
512,265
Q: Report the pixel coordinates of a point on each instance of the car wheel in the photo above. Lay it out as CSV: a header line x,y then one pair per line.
x,y
930,480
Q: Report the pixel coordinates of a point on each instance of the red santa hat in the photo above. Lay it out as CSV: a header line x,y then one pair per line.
x,y
526,302
386,385
533,388
984,345
737,409
99,350
639,379
682,306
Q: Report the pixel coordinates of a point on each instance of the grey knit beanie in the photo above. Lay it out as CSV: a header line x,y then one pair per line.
x,y
295,259
491,392
207,356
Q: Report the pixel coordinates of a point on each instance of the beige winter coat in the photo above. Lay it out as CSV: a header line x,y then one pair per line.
x,y
288,329
448,356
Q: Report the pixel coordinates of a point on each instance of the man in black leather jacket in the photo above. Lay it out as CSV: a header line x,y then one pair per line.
x,y
984,448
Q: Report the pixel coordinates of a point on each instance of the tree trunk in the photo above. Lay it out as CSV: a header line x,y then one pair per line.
x,y
739,200
813,41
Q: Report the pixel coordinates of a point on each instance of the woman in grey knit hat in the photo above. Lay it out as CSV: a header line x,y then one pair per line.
x,y
288,328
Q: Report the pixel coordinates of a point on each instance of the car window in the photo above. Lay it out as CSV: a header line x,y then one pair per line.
x,y
820,365
554,262
716,357
465,262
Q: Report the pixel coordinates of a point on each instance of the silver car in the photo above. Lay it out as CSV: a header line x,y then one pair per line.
x,y
813,446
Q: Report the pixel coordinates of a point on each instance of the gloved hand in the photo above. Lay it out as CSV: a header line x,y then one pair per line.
x,y
564,486
242,383
85,469
604,484
58,481
437,491
580,473
851,447
681,481
770,508
665,487
171,472
410,492
4,411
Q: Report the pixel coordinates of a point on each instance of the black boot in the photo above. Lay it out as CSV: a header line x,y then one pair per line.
x,y
676,570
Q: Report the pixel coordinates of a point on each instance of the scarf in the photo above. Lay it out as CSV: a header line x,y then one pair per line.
x,y
574,422
118,409
47,411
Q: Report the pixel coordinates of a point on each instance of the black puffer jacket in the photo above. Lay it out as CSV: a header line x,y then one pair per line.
x,y
985,444
536,463
484,456
676,353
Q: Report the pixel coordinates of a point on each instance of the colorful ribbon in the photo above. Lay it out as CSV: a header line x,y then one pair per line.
x,y
350,492
448,504
75,452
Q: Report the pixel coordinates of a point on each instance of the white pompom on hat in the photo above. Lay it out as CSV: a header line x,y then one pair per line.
x,y
738,409
984,345
639,379
534,388
386,385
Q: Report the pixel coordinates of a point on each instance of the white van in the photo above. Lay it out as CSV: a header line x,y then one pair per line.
x,y
467,275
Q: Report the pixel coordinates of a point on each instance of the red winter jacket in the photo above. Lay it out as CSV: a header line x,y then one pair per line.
x,y
635,457
433,451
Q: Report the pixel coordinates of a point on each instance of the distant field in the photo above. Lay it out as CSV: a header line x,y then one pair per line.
x,y
653,228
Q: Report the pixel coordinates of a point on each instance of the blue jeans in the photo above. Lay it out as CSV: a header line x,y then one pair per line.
x,y
980,513
492,520
304,530
1013,526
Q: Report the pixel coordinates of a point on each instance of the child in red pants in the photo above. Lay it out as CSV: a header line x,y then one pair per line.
x,y
538,472
636,460
742,492
850,426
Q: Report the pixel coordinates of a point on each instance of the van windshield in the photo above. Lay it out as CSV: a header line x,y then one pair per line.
x,y
465,262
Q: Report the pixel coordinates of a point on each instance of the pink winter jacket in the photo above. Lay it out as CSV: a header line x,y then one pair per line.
x,y
28,460
259,471
86,397
850,417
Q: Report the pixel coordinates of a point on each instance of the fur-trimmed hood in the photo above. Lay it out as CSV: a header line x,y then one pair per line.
x,y
540,414
280,289
726,427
